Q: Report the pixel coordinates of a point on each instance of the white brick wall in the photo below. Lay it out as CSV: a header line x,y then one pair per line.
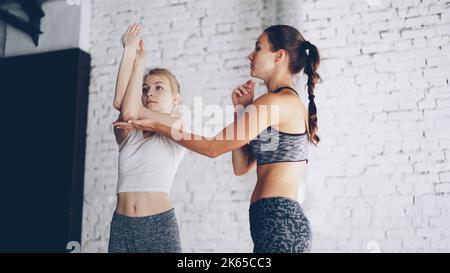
x,y
381,173
380,178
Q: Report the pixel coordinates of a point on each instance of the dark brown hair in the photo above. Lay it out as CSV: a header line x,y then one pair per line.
x,y
302,56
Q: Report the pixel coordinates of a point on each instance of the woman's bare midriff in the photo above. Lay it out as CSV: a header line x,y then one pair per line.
x,y
278,179
139,204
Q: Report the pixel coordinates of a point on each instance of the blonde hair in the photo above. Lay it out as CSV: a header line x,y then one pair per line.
x,y
174,84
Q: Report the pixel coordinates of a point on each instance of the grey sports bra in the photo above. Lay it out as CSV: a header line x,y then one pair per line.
x,y
273,146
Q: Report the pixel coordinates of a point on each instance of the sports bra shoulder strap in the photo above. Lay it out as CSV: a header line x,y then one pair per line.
x,y
284,87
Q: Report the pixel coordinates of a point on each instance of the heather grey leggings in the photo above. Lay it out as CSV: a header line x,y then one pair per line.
x,y
151,234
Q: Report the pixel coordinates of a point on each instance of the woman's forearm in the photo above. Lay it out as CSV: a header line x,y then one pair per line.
x,y
227,140
163,118
132,100
196,143
240,156
240,160
124,75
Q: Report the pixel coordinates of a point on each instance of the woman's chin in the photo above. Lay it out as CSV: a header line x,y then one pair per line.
x,y
153,108
253,73
149,107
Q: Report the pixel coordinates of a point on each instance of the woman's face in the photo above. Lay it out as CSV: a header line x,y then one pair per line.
x,y
262,59
157,94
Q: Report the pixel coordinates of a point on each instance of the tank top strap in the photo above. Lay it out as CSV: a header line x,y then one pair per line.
x,y
284,87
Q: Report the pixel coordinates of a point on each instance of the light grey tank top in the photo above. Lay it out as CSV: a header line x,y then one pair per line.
x,y
148,164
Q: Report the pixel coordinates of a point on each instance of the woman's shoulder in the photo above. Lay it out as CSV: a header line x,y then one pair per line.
x,y
288,104
281,98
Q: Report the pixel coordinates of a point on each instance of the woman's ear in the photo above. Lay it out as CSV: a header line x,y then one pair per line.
x,y
280,55
176,99
176,106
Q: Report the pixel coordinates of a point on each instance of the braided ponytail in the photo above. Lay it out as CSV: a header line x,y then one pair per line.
x,y
302,56
312,61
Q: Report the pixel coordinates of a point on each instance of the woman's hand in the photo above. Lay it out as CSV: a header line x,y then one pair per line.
x,y
132,36
244,94
143,125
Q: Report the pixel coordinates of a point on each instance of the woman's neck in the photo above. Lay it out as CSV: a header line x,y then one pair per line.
x,y
279,80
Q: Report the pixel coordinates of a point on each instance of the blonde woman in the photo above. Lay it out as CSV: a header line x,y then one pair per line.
x,y
144,220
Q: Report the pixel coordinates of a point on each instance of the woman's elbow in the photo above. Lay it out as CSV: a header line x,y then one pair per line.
x,y
126,116
238,172
213,152
117,105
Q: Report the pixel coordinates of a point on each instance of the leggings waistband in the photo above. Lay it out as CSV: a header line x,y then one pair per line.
x,y
150,218
276,207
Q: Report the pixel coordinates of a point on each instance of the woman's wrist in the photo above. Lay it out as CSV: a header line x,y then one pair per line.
x,y
129,50
131,47
239,109
162,129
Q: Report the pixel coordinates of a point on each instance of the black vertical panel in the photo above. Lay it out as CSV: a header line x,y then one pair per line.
x,y
42,149
2,38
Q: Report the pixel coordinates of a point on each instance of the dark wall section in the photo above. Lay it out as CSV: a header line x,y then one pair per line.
x,y
44,113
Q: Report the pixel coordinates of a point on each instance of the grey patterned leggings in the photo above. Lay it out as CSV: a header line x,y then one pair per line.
x,y
278,225
151,234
